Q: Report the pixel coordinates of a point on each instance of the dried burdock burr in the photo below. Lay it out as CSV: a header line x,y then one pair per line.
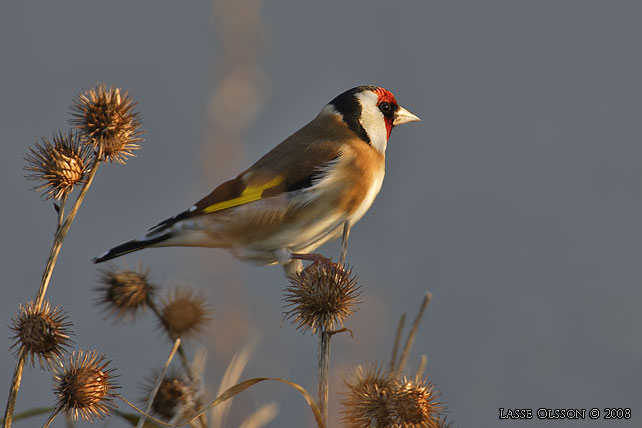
x,y
106,117
176,396
43,332
59,164
123,293
368,401
375,398
444,423
85,387
184,312
415,404
321,296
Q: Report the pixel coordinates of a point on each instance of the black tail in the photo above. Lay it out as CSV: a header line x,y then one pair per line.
x,y
130,247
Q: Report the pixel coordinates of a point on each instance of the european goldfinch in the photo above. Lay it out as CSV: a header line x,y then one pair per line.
x,y
300,194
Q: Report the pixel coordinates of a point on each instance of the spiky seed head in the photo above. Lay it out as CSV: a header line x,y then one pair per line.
x,y
415,405
43,332
85,387
376,398
60,164
185,312
124,292
444,423
106,116
321,296
176,396
368,401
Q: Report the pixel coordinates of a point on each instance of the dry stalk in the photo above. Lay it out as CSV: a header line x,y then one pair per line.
x,y
233,391
324,372
152,396
413,332
189,370
344,243
51,417
395,347
61,233
423,363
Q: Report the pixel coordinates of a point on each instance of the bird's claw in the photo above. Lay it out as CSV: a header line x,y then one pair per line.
x,y
319,259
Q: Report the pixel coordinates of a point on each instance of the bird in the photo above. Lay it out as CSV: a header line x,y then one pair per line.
x,y
303,193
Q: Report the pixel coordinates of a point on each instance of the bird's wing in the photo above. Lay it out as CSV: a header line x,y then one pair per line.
x,y
292,165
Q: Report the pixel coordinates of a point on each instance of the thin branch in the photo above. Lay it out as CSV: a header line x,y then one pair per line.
x,y
395,347
341,330
60,209
413,333
344,243
52,417
29,413
63,230
161,376
423,362
324,373
15,386
193,377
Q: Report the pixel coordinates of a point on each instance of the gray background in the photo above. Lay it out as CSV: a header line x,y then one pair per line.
x,y
517,201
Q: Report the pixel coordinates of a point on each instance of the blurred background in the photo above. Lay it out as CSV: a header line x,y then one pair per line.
x,y
516,201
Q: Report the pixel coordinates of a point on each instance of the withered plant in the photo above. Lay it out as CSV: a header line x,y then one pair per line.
x,y
318,300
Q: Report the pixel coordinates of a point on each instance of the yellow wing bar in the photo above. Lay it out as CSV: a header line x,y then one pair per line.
x,y
250,194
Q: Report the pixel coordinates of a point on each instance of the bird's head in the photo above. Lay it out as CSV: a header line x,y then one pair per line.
x,y
370,112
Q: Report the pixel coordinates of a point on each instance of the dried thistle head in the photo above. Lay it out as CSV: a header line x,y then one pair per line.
x,y
124,292
376,398
176,396
85,387
60,164
185,312
415,405
43,332
444,423
369,399
321,296
107,118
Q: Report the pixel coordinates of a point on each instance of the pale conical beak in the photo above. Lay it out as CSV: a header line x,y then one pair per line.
x,y
404,116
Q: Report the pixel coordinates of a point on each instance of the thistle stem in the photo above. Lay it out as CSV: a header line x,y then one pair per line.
x,y
395,347
161,376
193,377
344,243
51,417
15,386
413,332
324,372
61,233
61,211
423,362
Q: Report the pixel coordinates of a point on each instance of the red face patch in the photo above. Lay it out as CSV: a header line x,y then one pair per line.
x,y
387,97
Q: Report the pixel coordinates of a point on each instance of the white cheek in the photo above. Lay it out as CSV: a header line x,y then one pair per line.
x,y
373,121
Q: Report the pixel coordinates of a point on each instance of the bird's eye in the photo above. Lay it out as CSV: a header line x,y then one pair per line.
x,y
385,107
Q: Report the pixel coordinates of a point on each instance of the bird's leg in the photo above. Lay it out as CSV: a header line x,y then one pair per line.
x,y
291,262
291,266
344,242
312,257
317,258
